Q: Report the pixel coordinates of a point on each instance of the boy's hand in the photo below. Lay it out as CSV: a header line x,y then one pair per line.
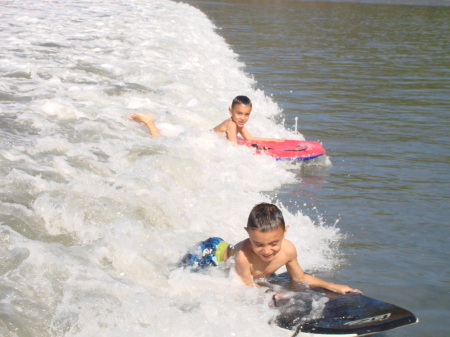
x,y
277,297
344,289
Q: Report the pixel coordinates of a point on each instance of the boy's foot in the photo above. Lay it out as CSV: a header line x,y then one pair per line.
x,y
146,120
141,118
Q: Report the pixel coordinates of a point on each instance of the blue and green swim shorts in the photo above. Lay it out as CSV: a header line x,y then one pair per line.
x,y
205,254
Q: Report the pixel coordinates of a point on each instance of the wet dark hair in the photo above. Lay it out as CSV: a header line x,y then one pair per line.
x,y
243,100
265,217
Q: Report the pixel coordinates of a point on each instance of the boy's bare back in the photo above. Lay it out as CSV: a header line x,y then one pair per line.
x,y
224,126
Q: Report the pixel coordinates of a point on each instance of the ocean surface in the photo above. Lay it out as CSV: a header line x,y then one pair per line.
x,y
371,81
95,214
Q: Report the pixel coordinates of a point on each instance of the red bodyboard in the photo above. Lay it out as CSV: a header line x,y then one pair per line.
x,y
287,150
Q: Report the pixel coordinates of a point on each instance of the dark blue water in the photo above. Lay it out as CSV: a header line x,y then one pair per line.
x,y
371,81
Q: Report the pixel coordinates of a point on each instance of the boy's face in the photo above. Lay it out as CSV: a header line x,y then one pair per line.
x,y
240,114
266,245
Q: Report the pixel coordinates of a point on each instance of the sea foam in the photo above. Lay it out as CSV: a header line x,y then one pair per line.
x,y
95,213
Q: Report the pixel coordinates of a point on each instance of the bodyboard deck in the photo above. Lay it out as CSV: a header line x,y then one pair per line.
x,y
287,150
342,315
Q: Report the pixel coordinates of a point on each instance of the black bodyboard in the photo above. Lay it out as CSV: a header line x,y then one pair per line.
x,y
341,314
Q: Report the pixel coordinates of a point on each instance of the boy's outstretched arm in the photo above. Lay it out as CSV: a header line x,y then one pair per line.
x,y
247,136
278,140
296,273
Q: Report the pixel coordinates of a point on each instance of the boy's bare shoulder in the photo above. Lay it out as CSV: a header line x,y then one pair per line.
x,y
241,250
241,246
222,127
289,248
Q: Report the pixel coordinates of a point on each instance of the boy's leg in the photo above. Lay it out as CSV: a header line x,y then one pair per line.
x,y
146,120
202,255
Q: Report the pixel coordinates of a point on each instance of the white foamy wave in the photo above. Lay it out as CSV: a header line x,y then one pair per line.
x,y
95,213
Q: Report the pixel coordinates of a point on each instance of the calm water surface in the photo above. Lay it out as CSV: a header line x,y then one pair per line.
x,y
371,81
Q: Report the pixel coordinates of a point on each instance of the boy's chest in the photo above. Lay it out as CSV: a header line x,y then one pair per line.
x,y
261,269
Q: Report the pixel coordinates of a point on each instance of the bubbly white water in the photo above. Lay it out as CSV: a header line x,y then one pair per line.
x,y
95,214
